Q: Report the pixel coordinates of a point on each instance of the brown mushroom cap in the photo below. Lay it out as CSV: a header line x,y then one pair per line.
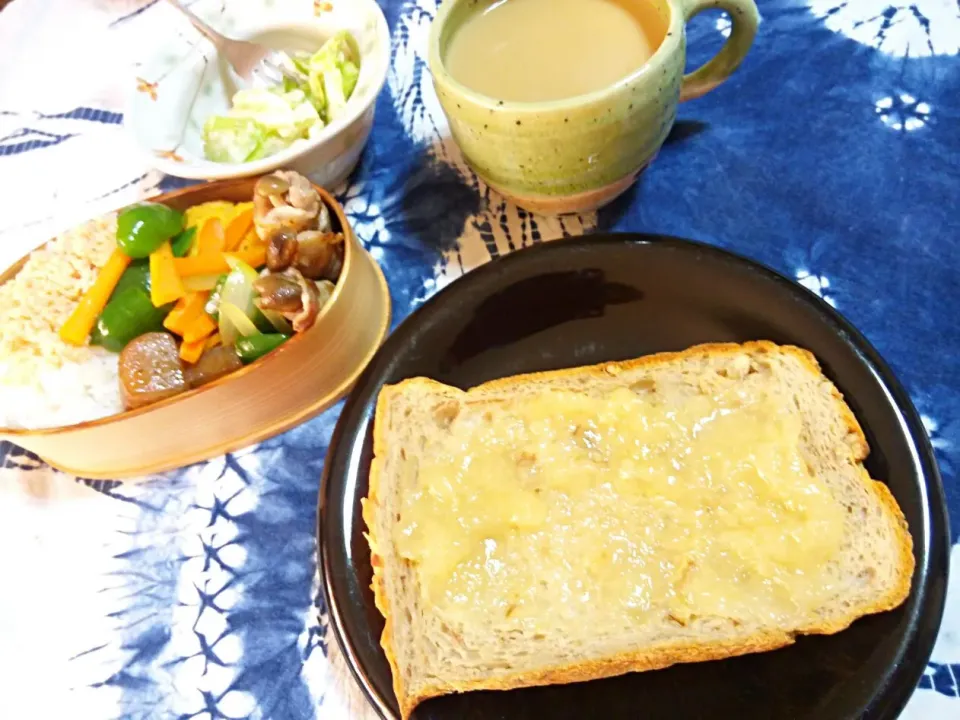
x,y
280,292
282,250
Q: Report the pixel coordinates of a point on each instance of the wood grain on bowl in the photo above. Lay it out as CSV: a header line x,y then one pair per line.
x,y
304,376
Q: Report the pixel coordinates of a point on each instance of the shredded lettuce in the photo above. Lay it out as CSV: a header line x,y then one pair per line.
x,y
264,121
287,114
231,139
333,70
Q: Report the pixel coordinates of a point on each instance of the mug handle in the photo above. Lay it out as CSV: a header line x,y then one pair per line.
x,y
744,20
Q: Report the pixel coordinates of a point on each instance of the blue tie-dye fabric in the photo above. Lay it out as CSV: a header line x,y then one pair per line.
x,y
832,155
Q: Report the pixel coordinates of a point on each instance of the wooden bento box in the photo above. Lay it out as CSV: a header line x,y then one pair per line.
x,y
299,379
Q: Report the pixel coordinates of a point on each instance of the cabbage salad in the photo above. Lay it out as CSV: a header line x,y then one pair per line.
x,y
264,121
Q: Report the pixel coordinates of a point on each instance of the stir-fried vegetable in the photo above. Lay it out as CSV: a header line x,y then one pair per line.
x,y
238,291
238,229
200,328
211,237
181,244
238,288
129,314
195,295
196,283
212,307
76,329
217,262
256,346
187,309
266,320
196,215
191,352
144,227
137,275
165,284
234,323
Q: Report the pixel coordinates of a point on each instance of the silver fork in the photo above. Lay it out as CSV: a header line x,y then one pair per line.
x,y
253,63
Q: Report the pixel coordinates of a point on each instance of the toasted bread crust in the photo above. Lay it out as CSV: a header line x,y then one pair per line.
x,y
369,506
649,658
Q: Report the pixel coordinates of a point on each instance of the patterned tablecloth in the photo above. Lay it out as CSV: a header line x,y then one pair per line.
x,y
832,155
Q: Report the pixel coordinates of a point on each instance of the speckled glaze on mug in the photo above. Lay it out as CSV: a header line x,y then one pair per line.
x,y
579,153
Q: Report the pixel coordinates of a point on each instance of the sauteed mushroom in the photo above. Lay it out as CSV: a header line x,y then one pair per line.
x,y
275,184
319,254
293,295
301,248
282,248
279,292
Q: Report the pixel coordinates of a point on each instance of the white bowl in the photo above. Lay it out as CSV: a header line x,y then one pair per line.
x,y
176,92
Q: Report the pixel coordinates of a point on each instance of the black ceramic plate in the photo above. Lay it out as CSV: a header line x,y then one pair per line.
x,y
583,301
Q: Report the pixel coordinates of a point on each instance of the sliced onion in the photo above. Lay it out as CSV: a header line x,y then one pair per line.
x,y
233,316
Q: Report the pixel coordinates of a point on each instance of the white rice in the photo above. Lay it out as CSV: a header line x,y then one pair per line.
x,y
72,393
44,382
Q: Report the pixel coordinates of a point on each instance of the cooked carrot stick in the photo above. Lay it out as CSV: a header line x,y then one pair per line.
x,y
191,351
186,311
237,230
215,263
200,328
165,283
76,329
211,237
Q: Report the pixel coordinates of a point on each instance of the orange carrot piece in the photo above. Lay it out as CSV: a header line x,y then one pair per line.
x,y
237,230
211,237
215,263
76,329
212,341
185,312
200,328
250,240
174,318
255,257
165,283
191,351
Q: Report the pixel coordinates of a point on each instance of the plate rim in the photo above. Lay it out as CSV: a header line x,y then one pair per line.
x,y
916,646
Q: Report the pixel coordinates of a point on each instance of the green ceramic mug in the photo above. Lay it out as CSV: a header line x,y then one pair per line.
x,y
579,153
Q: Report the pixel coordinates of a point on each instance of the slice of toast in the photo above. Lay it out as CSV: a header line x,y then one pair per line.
x,y
437,643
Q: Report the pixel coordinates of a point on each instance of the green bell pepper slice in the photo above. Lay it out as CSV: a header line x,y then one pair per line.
x,y
137,275
182,243
144,227
129,314
255,347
